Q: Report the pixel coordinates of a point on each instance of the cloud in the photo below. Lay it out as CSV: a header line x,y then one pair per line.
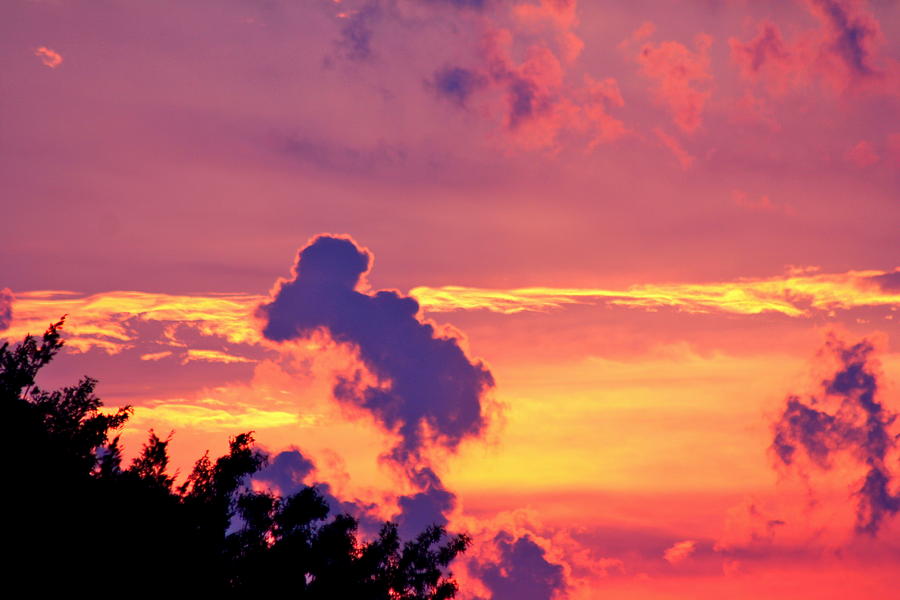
x,y
429,506
427,389
457,84
521,74
762,204
472,4
766,58
794,295
111,321
356,34
290,472
286,473
215,417
847,417
685,159
680,551
889,282
851,33
682,78
6,306
862,155
842,51
520,571
49,57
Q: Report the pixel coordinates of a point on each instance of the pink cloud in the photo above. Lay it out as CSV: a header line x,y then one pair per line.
x,y
680,551
525,78
682,76
683,156
49,57
842,52
862,154
767,59
761,204
755,109
893,146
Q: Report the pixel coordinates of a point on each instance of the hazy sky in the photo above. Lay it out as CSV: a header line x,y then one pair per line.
x,y
654,247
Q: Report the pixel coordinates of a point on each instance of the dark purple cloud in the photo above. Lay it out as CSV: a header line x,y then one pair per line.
x,y
767,47
889,282
473,4
356,34
426,507
846,417
457,84
851,34
522,572
428,390
287,474
6,302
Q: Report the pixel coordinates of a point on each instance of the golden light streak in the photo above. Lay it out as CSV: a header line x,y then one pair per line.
x,y
228,418
793,295
213,356
101,320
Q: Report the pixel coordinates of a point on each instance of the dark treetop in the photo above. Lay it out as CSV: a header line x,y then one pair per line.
x,y
78,520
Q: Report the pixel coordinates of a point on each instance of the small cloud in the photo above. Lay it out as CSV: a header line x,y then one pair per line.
x,y
682,76
862,155
156,355
685,159
680,551
761,204
49,57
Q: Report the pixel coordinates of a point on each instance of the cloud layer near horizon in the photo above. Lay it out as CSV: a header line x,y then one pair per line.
x,y
101,320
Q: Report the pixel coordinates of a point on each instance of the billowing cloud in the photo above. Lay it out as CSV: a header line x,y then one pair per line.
x,y
429,506
682,78
522,72
842,51
457,84
49,57
290,471
766,58
427,389
6,304
852,33
847,417
521,571
287,472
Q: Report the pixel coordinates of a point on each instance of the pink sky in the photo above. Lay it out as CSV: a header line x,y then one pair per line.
x,y
644,218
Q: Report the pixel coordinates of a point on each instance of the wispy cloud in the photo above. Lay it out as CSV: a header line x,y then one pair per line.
x,y
794,296
106,321
49,57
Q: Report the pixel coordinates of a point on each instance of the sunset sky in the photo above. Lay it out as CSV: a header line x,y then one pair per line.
x,y
612,286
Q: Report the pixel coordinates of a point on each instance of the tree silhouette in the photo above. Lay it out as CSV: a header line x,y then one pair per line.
x,y
79,521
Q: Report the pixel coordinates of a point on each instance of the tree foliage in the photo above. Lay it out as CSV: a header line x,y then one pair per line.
x,y
82,521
